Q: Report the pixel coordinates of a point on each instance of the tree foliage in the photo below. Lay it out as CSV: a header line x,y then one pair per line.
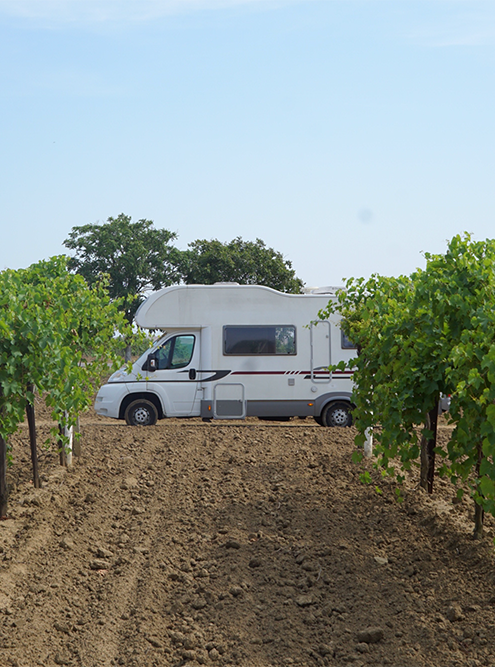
x,y
244,262
135,256
418,336
58,336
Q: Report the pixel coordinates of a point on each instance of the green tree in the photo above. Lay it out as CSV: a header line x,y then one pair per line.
x,y
421,335
135,256
57,335
244,262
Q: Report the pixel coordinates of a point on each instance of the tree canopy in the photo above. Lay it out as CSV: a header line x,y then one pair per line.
x,y
245,262
419,336
138,258
57,335
135,256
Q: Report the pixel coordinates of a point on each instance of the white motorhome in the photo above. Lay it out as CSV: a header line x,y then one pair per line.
x,y
231,351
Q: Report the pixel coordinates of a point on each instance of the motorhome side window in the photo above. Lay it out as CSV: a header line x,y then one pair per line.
x,y
175,353
259,340
346,343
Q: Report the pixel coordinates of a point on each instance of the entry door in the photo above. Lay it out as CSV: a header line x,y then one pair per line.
x,y
321,356
176,377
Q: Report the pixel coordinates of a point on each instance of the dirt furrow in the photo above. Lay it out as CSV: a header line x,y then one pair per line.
x,y
237,544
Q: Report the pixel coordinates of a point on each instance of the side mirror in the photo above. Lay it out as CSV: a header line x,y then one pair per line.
x,y
151,363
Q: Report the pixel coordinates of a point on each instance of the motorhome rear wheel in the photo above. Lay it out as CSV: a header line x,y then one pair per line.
x,y
337,414
141,413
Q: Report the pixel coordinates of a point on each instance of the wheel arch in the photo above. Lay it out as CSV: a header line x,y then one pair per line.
x,y
322,401
146,395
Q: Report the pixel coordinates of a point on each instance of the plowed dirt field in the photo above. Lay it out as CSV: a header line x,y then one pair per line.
x,y
235,543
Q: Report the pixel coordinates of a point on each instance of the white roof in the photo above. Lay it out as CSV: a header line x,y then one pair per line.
x,y
197,306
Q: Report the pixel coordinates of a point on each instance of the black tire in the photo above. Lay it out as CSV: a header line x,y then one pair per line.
x,y
141,413
337,414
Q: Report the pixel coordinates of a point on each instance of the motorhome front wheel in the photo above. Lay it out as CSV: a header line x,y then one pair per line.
x,y
141,413
337,414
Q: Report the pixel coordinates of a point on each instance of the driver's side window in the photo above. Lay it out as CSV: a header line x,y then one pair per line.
x,y
175,353
163,355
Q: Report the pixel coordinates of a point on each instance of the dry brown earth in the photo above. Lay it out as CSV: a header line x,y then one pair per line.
x,y
235,543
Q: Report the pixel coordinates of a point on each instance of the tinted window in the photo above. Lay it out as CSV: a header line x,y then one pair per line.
x,y
346,343
163,354
259,340
175,353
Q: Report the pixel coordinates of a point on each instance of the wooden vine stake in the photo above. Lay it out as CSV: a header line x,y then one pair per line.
x,y
32,438
427,474
479,513
3,475
3,479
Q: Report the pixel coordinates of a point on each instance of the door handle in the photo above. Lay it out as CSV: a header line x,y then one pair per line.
x,y
192,373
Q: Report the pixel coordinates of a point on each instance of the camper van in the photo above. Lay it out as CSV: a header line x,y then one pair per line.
x,y
232,351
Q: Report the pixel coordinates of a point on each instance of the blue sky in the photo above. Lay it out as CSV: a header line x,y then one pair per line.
x,y
351,135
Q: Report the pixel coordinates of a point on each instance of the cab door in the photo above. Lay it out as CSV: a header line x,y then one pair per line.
x,y
175,376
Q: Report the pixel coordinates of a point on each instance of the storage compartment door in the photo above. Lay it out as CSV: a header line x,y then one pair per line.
x,y
229,401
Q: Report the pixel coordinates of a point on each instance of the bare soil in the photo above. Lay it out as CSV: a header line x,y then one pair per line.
x,y
235,543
